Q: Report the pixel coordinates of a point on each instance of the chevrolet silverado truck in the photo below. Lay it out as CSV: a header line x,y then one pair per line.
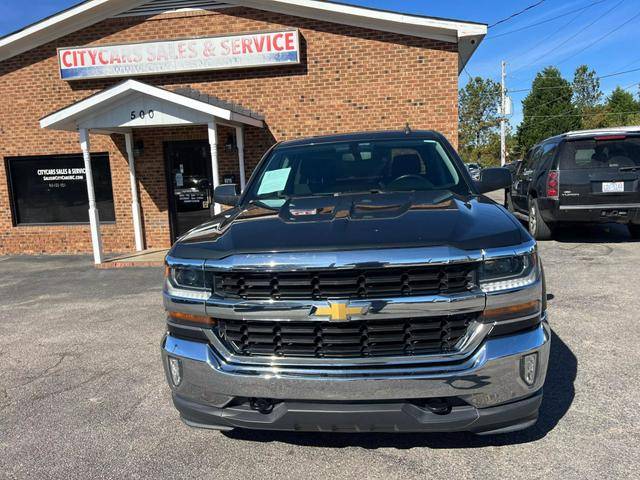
x,y
360,283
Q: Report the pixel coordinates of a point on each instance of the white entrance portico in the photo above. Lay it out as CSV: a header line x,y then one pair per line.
x,y
133,104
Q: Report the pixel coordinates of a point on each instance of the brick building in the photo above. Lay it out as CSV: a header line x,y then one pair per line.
x,y
158,101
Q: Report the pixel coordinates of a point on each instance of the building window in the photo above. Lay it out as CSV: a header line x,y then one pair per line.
x,y
53,189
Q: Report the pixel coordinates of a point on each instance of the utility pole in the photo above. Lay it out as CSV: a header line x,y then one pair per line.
x,y
503,116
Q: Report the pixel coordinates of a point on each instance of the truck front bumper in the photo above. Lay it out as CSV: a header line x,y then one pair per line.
x,y
486,391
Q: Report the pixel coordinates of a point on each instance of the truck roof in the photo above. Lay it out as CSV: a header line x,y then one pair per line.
x,y
364,137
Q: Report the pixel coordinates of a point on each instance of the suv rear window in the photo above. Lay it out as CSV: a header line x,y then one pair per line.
x,y
594,153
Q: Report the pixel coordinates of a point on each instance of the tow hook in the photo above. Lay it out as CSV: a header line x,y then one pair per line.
x,y
262,405
438,406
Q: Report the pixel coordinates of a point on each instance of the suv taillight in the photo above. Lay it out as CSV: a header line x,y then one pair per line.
x,y
553,184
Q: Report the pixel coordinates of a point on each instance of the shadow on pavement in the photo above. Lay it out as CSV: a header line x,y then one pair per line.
x,y
558,396
598,233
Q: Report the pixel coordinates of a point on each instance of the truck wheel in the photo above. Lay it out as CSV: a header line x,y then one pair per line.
x,y
538,228
634,230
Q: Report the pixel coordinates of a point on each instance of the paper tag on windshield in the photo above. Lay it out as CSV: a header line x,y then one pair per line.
x,y
274,181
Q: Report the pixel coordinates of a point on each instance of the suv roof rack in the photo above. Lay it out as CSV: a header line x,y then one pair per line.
x,y
603,131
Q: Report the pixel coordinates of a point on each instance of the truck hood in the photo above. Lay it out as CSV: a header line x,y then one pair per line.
x,y
357,221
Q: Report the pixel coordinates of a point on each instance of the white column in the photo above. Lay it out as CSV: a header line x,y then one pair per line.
x,y
240,145
135,202
94,217
213,143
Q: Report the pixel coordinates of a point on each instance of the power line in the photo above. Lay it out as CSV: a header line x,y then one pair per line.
x,y
544,118
542,22
609,33
631,63
545,40
567,40
513,15
602,77
583,114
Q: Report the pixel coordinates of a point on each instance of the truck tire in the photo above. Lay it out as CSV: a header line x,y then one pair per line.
x,y
538,228
634,230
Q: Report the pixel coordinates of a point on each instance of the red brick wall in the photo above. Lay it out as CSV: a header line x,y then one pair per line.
x,y
350,79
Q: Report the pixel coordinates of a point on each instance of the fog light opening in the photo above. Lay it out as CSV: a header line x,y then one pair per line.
x,y
175,371
529,368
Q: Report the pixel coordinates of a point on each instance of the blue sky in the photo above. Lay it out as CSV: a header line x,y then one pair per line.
x,y
570,35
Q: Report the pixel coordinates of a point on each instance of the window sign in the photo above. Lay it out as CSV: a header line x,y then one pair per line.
x,y
274,181
53,189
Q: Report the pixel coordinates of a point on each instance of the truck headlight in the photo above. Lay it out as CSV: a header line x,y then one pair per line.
x,y
187,281
188,277
506,273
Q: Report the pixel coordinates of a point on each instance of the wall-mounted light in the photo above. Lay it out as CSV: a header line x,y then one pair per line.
x,y
230,144
138,148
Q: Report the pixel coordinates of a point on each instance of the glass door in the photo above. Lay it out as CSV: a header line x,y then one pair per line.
x,y
189,184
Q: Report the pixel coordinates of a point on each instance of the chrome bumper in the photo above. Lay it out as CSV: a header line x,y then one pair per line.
x,y
489,376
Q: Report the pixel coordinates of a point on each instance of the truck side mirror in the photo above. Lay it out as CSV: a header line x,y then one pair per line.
x,y
492,179
226,195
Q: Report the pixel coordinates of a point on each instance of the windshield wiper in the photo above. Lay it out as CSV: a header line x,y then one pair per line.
x,y
373,191
629,169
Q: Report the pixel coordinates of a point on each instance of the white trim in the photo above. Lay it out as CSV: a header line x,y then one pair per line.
x,y
215,172
342,13
467,35
604,206
241,163
94,215
65,119
135,202
158,7
61,24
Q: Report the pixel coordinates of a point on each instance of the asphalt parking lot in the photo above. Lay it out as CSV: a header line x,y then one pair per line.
x,y
82,392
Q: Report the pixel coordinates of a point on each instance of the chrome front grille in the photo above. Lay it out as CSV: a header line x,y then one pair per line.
x,y
356,339
359,283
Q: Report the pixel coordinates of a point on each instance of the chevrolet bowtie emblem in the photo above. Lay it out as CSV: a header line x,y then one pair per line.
x,y
339,311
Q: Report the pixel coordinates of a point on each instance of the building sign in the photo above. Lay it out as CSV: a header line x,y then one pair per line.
x,y
189,55
53,189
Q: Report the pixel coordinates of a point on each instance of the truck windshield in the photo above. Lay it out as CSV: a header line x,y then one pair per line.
x,y
617,153
355,167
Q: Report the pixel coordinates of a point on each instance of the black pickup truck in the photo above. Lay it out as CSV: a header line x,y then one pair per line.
x,y
588,176
360,283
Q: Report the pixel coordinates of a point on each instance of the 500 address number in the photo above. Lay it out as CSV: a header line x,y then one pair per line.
x,y
142,114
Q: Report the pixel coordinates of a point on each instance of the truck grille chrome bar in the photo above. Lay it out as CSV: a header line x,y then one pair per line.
x,y
351,283
370,338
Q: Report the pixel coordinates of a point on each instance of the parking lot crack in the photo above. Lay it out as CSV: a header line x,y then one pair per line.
x,y
44,373
69,388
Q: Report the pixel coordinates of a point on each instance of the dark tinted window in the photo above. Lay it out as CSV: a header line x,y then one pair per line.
x,y
349,167
593,153
547,155
53,189
532,157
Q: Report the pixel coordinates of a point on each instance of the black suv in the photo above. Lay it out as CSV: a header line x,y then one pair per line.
x,y
589,176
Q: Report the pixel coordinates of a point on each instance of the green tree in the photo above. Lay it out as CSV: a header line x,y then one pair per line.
x,y
547,110
587,97
622,108
594,117
586,88
488,155
479,118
